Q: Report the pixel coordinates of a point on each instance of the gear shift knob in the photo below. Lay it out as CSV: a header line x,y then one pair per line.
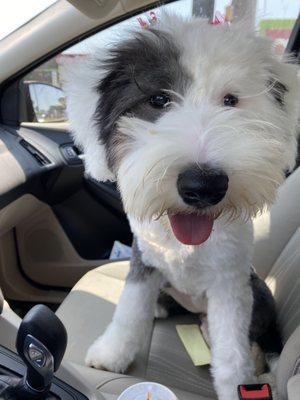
x,y
41,343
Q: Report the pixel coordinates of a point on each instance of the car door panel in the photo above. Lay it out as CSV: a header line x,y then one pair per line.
x,y
79,220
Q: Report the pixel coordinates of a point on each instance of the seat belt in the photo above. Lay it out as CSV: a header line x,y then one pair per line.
x,y
255,392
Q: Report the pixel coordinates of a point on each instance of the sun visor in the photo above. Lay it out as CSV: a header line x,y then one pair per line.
x,y
94,8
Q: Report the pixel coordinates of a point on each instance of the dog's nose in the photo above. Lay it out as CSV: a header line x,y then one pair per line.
x,y
202,186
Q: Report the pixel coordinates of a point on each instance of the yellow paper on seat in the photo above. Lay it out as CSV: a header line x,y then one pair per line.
x,y
194,344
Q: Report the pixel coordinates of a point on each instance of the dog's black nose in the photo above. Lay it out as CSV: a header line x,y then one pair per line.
x,y
202,186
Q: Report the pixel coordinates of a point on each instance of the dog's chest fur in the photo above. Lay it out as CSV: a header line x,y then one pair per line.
x,y
192,270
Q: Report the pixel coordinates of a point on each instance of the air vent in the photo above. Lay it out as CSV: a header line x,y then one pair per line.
x,y
40,158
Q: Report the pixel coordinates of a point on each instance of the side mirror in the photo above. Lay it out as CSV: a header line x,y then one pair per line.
x,y
44,102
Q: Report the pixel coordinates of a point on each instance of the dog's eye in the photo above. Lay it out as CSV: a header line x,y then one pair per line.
x,y
159,100
230,100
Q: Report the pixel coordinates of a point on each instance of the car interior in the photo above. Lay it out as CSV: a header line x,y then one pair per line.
x,y
58,226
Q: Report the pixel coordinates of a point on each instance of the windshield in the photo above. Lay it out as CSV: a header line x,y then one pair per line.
x,y
15,13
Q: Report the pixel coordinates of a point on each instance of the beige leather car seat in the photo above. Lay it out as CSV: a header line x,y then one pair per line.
x,y
89,307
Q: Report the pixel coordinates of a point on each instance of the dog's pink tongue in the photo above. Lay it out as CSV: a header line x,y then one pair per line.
x,y
191,229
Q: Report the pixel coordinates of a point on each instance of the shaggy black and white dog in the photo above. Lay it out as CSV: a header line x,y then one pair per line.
x,y
196,123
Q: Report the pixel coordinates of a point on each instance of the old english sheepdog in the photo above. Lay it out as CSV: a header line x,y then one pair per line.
x,y
197,125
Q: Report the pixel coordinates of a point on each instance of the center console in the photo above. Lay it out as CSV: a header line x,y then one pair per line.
x,y
41,343
12,367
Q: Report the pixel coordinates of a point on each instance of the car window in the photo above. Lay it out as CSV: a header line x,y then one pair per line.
x,y
270,18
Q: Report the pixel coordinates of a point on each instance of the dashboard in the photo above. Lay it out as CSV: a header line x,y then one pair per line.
x,y
42,162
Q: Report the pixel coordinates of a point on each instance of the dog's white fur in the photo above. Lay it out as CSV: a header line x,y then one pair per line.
x,y
132,320
80,76
254,143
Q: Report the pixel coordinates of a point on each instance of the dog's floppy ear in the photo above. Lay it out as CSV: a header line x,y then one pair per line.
x,y
284,88
80,77
277,90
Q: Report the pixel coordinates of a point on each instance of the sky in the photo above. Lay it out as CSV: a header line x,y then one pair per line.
x,y
14,13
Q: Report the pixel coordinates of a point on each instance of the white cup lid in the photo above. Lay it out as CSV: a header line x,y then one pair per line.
x,y
147,391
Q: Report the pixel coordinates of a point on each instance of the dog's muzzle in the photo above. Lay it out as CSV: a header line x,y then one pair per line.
x,y
202,186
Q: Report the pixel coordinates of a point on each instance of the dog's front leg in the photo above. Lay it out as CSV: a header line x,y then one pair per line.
x,y
132,322
229,315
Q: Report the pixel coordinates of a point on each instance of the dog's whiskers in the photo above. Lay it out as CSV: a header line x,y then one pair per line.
x,y
257,175
159,180
266,90
148,172
180,96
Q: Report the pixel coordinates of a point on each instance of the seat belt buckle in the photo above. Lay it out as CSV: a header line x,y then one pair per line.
x,y
260,391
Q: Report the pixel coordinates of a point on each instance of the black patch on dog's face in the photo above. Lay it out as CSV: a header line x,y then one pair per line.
x,y
137,69
277,90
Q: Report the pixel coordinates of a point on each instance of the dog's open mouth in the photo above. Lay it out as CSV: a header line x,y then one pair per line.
x,y
191,229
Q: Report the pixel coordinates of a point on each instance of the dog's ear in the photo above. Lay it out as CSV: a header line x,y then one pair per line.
x,y
283,85
284,88
81,76
277,90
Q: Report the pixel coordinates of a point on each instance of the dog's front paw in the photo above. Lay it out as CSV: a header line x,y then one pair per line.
x,y
106,354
